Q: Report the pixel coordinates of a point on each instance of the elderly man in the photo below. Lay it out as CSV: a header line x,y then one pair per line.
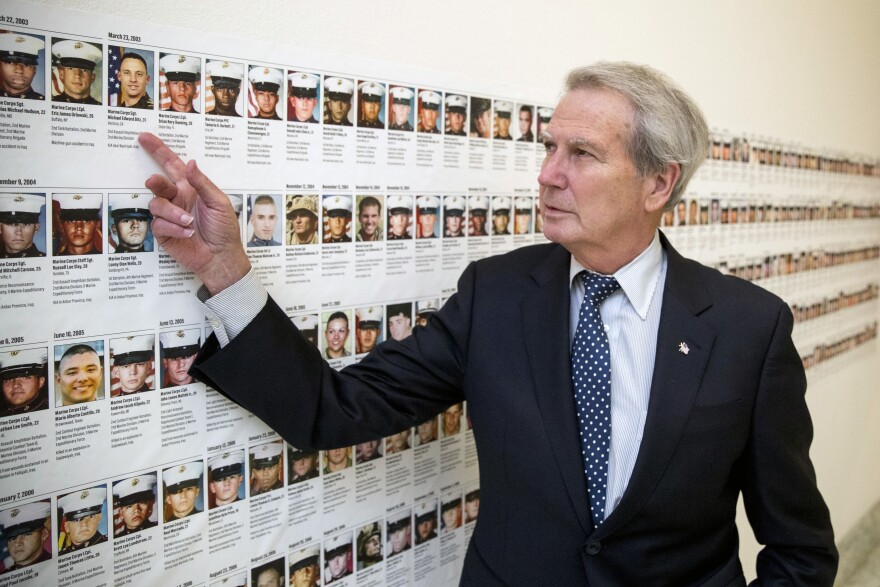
x,y
697,374
19,223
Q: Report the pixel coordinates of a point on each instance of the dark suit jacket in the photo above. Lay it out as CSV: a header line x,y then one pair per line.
x,y
727,417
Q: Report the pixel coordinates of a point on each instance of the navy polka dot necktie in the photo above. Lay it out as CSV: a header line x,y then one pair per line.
x,y
591,376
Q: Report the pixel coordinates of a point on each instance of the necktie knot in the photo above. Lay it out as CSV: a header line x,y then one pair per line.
x,y
598,287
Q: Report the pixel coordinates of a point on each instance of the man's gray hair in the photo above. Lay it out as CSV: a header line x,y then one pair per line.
x,y
668,126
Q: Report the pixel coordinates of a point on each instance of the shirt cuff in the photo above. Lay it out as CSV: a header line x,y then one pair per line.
x,y
231,310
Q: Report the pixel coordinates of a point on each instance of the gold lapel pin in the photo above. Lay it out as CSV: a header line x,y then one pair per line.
x,y
683,348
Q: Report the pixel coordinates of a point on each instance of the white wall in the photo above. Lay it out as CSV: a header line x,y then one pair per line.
x,y
801,70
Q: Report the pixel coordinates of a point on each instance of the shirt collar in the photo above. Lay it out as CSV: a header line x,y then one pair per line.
x,y
638,279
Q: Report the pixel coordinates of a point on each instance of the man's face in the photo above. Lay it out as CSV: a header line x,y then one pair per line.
x,y
371,110
132,231
428,118
337,225
182,93
369,217
269,578
424,528
79,377
339,110
83,529
472,508
521,223
265,477
681,209
79,234
337,456
692,212
304,224
17,391
500,222
399,441
592,197
225,97
400,326
225,490
427,431
26,548
183,502
367,338
427,222
456,121
135,514
16,78
367,450
399,223
266,102
525,121
452,517
77,81
336,335
303,107
18,237
503,124
306,576
373,546
400,112
400,539
305,465
177,369
483,124
133,76
338,565
263,219
132,376
453,224
452,419
478,222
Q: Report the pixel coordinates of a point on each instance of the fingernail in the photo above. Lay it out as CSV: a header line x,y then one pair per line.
x,y
186,219
188,232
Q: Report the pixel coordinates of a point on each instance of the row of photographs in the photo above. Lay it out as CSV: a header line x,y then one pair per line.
x,y
80,70
825,352
91,515
819,307
747,210
781,264
79,374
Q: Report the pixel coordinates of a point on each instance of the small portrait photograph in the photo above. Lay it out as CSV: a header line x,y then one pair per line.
x,y
24,375
544,116
134,504
400,108
22,226
502,119
77,71
456,115
681,213
79,373
82,519
183,491
371,105
76,226
501,215
523,207
305,567
451,417
370,219
223,95
337,459
365,452
429,111
180,81
427,431
478,210
130,77
399,532
266,467
427,216
400,213
338,93
454,216
400,320
178,349
425,309
369,545
704,212
130,218
398,442
338,559
263,228
302,220
426,521
481,118
236,580
693,212
471,505
667,219
264,96
269,574
337,218
539,218
303,94
450,512
302,465
225,478
26,535
22,55
132,364
368,328
525,114
307,324
336,330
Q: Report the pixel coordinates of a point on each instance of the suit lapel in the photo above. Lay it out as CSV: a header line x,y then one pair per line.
x,y
674,386
545,313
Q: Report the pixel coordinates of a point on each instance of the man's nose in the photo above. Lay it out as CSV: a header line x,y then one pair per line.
x,y
552,171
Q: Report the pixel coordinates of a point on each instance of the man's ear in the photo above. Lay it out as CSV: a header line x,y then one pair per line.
x,y
659,187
